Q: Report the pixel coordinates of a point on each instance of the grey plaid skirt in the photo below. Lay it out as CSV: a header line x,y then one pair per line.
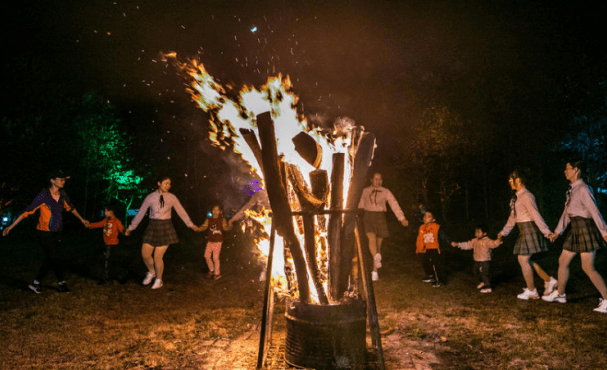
x,y
160,233
375,222
584,236
530,240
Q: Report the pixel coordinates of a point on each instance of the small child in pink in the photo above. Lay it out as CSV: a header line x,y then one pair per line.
x,y
215,227
482,246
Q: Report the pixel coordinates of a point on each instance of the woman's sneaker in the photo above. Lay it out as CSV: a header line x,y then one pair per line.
x,y
148,278
528,294
602,308
157,284
486,290
550,286
35,287
555,297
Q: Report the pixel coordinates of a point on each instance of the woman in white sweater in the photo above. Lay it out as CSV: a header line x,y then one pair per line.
x,y
160,232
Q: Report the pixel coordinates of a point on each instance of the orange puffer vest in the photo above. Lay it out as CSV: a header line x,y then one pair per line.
x,y
427,238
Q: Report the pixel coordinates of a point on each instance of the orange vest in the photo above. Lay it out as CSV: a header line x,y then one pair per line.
x,y
427,238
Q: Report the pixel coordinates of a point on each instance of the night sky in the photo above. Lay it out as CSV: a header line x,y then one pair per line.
x,y
371,61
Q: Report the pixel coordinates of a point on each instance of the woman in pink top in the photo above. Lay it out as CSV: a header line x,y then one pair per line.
x,y
588,233
533,232
160,232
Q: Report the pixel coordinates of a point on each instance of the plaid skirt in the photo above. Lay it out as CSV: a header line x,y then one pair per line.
x,y
375,222
160,233
530,240
584,236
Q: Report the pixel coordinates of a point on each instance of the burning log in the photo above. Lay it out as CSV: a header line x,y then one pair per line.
x,y
280,202
310,205
337,202
362,160
308,148
251,139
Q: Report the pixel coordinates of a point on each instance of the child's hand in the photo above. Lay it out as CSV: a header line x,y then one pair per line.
x,y
454,244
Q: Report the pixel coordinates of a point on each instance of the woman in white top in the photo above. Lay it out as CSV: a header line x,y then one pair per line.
x,y
373,200
588,233
532,230
160,232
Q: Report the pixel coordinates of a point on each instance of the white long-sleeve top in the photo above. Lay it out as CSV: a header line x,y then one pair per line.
x,y
158,212
581,203
525,210
374,200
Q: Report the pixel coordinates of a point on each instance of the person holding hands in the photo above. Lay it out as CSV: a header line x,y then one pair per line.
x,y
588,233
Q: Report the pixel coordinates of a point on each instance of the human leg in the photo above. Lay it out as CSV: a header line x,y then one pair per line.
x,y
372,237
147,251
595,277
485,273
525,263
208,254
106,255
563,274
158,261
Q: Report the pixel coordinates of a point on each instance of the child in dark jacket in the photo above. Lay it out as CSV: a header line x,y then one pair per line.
x,y
215,227
482,246
428,246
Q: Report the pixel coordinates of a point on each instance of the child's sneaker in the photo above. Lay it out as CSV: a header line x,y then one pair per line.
x,y
602,308
437,284
216,277
550,286
210,275
148,278
555,297
480,286
157,284
377,261
428,279
486,290
528,294
63,287
35,287
374,276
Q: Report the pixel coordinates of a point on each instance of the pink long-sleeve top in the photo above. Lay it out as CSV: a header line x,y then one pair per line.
x,y
581,203
375,199
482,248
525,210
160,210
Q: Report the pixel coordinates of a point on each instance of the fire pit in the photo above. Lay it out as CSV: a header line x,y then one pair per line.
x,y
314,180
326,336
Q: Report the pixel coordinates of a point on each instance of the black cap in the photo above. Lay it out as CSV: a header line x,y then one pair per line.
x,y
57,174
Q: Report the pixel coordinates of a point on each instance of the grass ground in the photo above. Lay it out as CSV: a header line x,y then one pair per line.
x,y
191,322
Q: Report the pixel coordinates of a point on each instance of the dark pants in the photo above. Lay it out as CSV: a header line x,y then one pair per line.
x,y
481,272
114,260
431,264
51,244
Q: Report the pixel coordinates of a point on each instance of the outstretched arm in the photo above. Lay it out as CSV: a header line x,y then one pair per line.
x,y
86,223
8,229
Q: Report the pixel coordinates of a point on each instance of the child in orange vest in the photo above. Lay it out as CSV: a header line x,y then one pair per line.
x,y
111,228
215,227
428,240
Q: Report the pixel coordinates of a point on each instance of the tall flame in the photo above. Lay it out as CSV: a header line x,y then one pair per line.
x,y
231,112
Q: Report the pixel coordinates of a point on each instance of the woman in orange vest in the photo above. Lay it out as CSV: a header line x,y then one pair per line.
x,y
428,246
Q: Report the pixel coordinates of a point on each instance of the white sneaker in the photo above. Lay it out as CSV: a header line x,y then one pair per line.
x,y
550,286
602,308
480,286
377,261
486,290
148,278
157,284
528,294
374,276
555,297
